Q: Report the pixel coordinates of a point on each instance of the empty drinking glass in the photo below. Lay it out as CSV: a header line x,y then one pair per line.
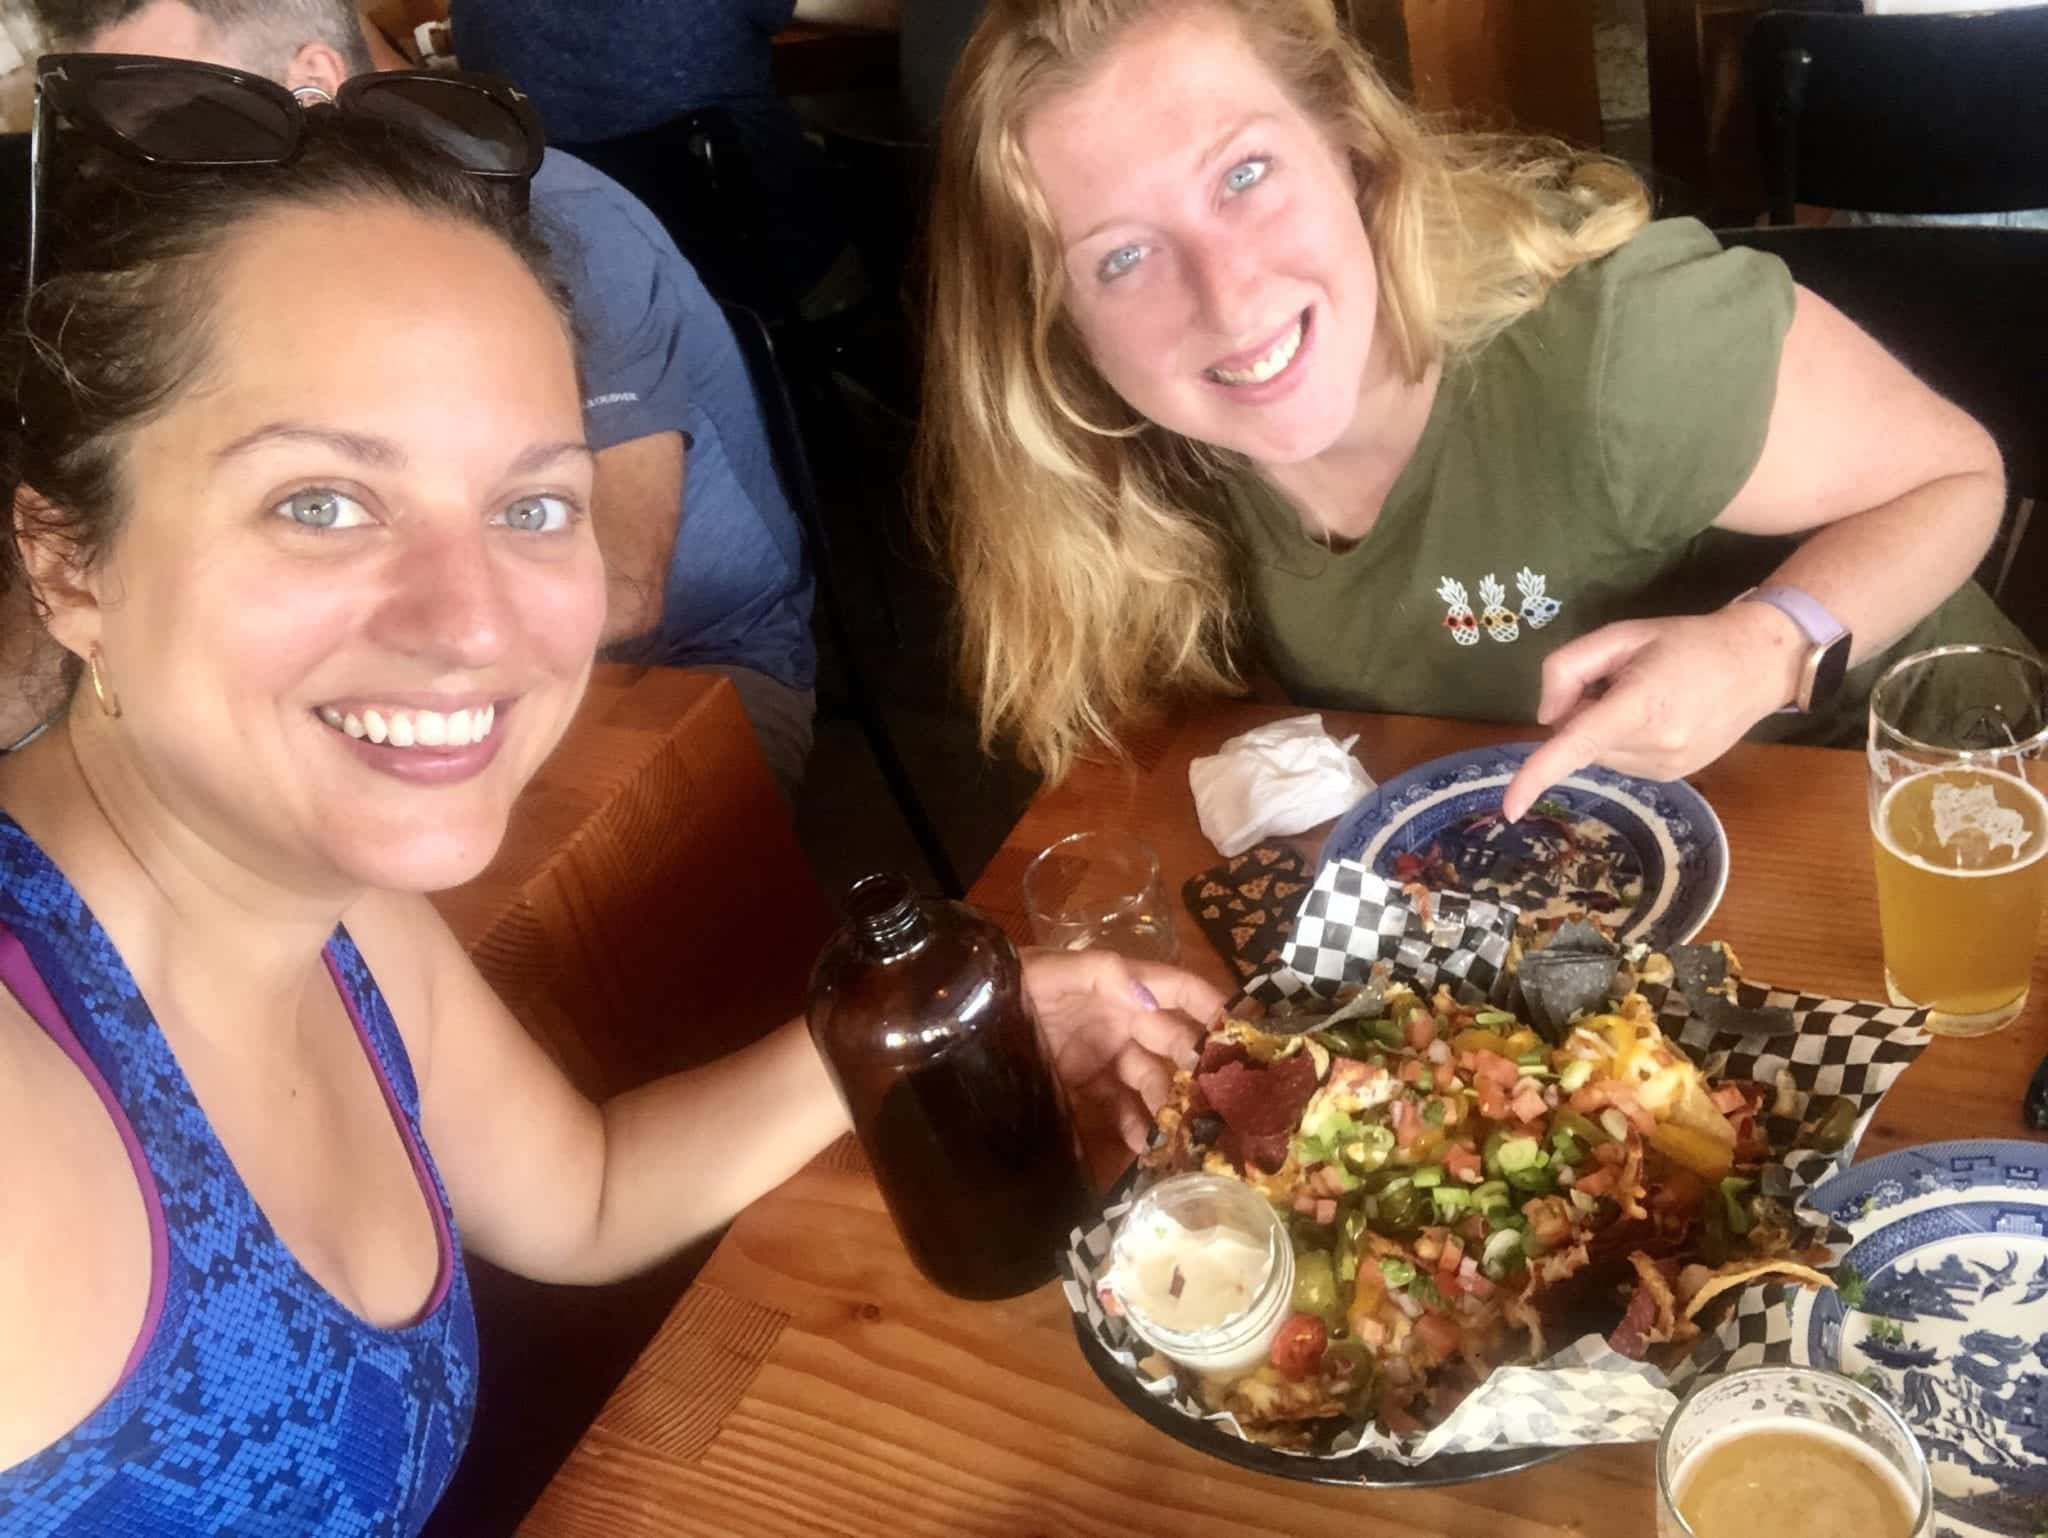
x,y
1100,889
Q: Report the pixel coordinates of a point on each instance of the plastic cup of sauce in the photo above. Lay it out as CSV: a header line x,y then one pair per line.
x,y
1202,1269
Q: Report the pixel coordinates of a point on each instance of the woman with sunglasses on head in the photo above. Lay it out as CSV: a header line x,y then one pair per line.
x,y
302,444
1235,363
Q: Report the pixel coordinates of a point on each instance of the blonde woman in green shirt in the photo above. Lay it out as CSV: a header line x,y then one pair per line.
x,y
1233,357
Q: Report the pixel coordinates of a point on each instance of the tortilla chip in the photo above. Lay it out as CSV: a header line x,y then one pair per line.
x,y
1703,1291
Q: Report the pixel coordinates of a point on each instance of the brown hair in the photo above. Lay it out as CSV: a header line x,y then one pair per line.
x,y
1091,583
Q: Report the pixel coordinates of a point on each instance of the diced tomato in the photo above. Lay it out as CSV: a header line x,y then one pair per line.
x,y
1298,1348
1464,1164
1493,1100
1529,1105
1493,1067
1421,1029
1729,1099
1597,1182
1437,1332
1454,1253
1407,1122
1466,1062
1601,1093
1479,1286
1412,1072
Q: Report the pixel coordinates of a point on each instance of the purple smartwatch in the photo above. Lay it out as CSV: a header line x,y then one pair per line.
x,y
1827,643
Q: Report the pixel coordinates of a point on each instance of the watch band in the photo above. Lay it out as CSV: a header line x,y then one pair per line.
x,y
1803,609
1827,642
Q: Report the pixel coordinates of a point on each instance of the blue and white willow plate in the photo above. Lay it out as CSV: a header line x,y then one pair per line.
x,y
1648,857
1951,1243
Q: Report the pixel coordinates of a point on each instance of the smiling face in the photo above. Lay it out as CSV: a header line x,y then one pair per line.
x,y
1218,270
355,597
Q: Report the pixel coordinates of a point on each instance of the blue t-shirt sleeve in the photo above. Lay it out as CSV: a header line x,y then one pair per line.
x,y
631,314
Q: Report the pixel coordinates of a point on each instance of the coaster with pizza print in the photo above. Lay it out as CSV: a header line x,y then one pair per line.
x,y
1247,905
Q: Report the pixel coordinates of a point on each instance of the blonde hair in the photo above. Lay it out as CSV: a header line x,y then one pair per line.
x,y
1091,583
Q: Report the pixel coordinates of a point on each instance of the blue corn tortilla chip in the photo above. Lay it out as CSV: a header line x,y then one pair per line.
x,y
1702,974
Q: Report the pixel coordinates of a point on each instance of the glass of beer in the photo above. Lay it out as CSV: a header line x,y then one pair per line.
x,y
1793,1450
1958,765
1100,889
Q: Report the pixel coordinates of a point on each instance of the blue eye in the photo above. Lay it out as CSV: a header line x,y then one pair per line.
x,y
538,515
1120,261
1246,174
322,507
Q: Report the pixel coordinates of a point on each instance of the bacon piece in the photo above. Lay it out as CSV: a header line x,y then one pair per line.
x,y
1260,1107
1652,1317
1220,1052
1632,1336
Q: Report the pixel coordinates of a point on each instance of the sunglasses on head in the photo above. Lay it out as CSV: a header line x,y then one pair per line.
x,y
177,114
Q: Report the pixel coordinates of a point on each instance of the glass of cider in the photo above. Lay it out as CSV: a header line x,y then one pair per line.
x,y
1958,768
1792,1450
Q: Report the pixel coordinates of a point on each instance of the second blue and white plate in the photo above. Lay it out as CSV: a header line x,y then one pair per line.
x,y
1951,1245
1648,857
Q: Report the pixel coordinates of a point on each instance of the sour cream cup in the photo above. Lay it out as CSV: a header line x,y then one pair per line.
x,y
1203,1271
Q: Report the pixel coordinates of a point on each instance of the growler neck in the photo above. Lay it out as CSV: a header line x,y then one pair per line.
x,y
887,918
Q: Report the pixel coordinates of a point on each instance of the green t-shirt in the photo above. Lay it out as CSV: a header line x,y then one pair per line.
x,y
1567,477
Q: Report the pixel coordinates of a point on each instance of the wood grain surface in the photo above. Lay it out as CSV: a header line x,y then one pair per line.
x,y
650,884
853,1398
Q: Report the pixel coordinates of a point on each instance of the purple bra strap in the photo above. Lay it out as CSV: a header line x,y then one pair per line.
x,y
19,975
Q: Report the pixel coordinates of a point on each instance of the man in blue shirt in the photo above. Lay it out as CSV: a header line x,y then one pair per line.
x,y
706,558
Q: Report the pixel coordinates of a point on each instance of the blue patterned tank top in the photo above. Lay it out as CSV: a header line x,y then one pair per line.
x,y
252,1403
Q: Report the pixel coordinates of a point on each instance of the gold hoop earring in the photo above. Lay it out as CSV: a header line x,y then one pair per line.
x,y
110,702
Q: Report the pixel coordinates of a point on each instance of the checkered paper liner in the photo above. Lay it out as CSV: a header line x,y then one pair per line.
x,y
1585,1393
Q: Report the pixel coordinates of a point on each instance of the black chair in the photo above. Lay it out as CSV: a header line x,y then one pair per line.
x,y
1933,114
692,173
1967,310
785,438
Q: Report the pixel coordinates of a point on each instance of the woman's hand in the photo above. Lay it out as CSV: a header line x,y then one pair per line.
x,y
1659,697
1118,1029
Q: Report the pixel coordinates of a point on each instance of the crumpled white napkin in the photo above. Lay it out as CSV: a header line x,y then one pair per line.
x,y
1276,779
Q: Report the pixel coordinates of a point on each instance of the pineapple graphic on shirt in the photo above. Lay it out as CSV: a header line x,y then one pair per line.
x,y
1494,613
1538,607
1460,620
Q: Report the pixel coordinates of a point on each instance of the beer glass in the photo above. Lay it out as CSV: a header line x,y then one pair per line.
x,y
1792,1450
1100,889
1958,764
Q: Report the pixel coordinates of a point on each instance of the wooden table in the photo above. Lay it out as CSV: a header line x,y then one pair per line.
x,y
811,1383
648,866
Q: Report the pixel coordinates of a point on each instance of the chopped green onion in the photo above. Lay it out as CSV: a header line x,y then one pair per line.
x,y
1575,1074
1451,1201
1429,1175
1502,1250
1850,1284
1740,1220
1520,1153
1493,1017
1398,1272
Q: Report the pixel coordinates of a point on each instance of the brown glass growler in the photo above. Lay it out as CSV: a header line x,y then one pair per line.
x,y
918,1009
